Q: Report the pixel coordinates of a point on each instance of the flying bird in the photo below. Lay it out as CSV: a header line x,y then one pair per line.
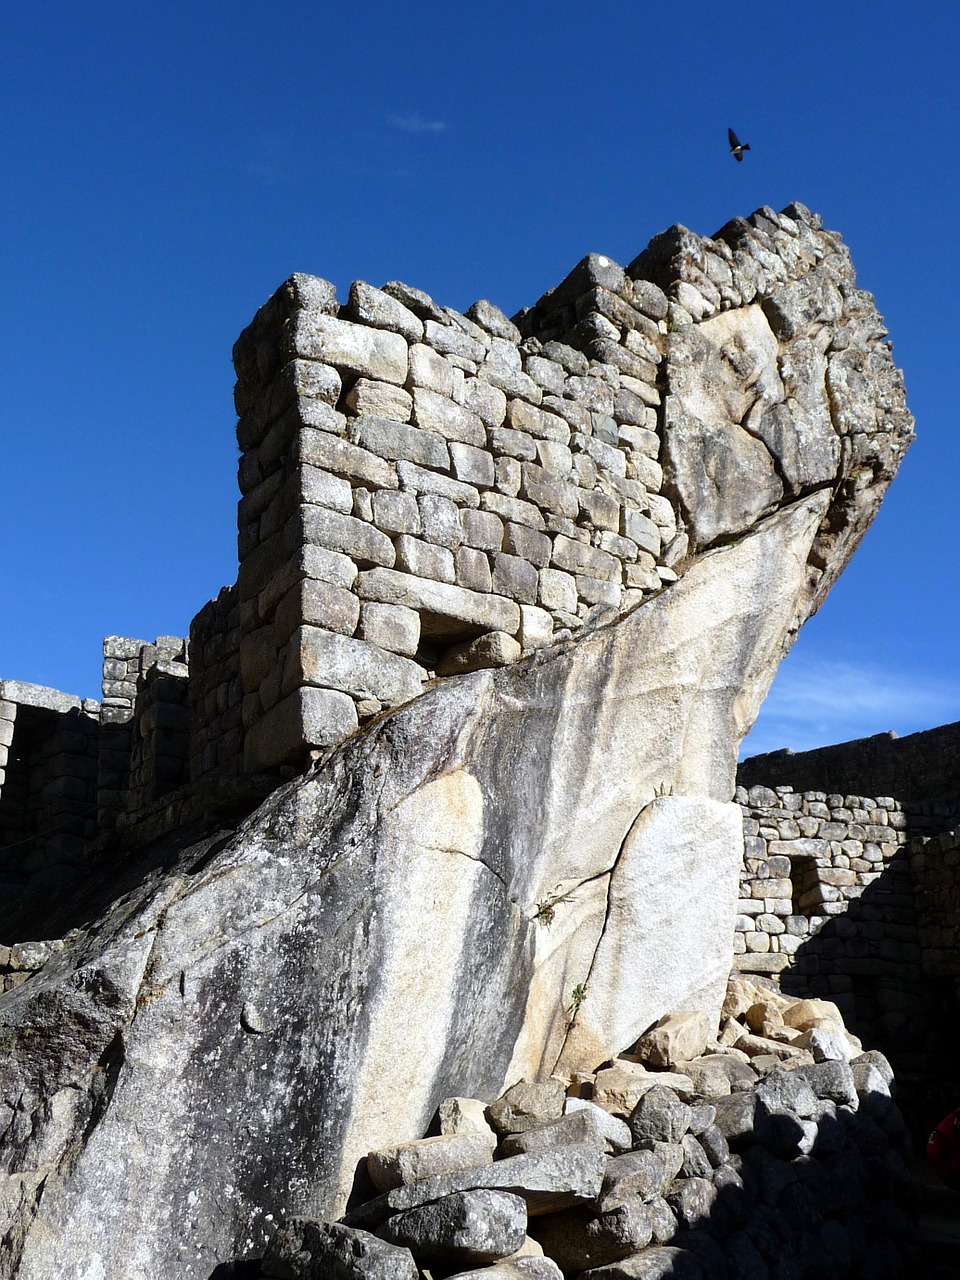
x,y
737,148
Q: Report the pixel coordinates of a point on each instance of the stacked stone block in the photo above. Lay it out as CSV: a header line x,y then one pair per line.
x,y
48,764
424,493
161,726
129,748
216,690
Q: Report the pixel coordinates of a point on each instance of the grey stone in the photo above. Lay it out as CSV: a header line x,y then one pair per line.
x,y
660,1115
444,609
395,441
465,1227
379,400
374,353
528,1105
615,1133
390,627
445,417
522,1268
428,1157
376,307
547,1182
305,1250
787,1091
307,718
320,449
692,1199
832,1081
738,1117
424,559
495,649
580,1238
637,1173
329,661
574,1128
696,1163
658,1262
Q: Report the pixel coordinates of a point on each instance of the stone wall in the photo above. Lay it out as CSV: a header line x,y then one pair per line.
x,y
919,768
935,868
841,899
49,745
216,690
427,492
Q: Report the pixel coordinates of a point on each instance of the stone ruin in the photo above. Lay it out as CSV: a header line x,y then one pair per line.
x,y
439,797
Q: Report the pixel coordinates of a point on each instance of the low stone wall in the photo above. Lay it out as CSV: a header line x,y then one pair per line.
x,y
920,769
845,897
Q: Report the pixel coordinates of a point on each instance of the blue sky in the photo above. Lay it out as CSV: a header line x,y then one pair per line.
x,y
165,166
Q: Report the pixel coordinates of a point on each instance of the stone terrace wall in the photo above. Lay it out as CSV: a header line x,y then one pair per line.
x,y
921,767
425,491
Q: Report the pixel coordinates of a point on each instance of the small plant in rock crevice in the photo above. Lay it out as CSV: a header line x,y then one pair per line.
x,y
547,907
577,996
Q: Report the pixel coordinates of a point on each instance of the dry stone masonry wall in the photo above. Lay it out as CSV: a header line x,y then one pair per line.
x,y
449,491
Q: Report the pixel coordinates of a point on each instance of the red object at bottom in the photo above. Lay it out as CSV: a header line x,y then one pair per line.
x,y
943,1149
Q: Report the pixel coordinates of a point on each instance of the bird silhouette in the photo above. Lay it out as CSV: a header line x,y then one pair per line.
x,y
737,148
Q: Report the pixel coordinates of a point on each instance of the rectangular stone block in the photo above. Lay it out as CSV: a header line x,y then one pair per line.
x,y
546,374
391,627
440,520
424,559
606,456
323,489
418,480
451,340
521,540
321,605
429,369
308,718
597,590
396,512
355,538
578,557
379,400
537,422
326,565
329,661
536,627
375,353
482,529
514,577
507,476
374,307
445,609
624,550
513,444
396,441
486,401
555,458
330,453
557,590
434,412
601,510
514,509
472,465
472,570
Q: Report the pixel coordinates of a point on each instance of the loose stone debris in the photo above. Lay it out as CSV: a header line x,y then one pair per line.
x,y
776,1150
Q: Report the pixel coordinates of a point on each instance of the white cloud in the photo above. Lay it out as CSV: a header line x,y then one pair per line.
x,y
416,123
815,703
